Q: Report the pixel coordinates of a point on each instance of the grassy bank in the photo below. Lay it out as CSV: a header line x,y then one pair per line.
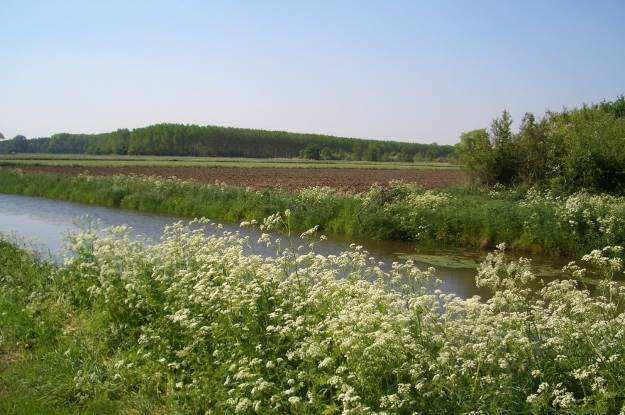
x,y
44,341
193,325
525,221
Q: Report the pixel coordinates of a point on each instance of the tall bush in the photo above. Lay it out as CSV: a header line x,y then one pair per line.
x,y
569,150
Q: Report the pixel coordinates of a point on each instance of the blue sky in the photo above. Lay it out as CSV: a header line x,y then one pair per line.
x,y
406,70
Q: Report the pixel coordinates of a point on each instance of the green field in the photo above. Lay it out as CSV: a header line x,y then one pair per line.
x,y
78,160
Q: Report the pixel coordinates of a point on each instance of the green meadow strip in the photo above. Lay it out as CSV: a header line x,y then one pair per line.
x,y
74,160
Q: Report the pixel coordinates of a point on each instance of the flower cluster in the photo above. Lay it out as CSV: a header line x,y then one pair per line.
x,y
427,200
230,332
580,215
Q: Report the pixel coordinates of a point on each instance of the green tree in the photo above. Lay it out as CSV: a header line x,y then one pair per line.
x,y
566,151
311,152
475,152
326,154
373,152
533,150
506,164
20,145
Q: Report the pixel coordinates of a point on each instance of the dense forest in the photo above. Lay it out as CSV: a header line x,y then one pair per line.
x,y
194,140
581,148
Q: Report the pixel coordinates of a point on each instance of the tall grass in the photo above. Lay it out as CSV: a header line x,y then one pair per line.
x,y
194,325
525,220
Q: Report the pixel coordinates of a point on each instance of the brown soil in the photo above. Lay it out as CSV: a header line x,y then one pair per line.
x,y
352,180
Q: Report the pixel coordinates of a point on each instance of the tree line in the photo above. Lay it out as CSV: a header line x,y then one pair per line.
x,y
565,151
195,140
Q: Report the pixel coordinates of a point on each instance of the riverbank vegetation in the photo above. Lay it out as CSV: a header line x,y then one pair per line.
x,y
214,141
194,325
533,220
564,151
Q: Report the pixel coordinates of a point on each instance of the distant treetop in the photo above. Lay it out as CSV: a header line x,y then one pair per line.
x,y
195,140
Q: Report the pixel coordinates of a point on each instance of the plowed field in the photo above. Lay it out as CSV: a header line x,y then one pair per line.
x,y
352,180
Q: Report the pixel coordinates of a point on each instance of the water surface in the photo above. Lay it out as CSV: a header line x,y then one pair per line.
x,y
44,225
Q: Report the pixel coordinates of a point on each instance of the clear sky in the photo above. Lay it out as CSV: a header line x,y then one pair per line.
x,y
409,70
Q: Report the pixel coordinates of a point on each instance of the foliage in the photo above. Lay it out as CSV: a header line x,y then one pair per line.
x,y
567,151
475,152
194,140
311,152
195,325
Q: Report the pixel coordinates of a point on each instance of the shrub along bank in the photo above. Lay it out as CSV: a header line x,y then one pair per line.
x,y
563,151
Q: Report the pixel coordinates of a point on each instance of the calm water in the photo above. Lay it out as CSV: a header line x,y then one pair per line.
x,y
44,224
